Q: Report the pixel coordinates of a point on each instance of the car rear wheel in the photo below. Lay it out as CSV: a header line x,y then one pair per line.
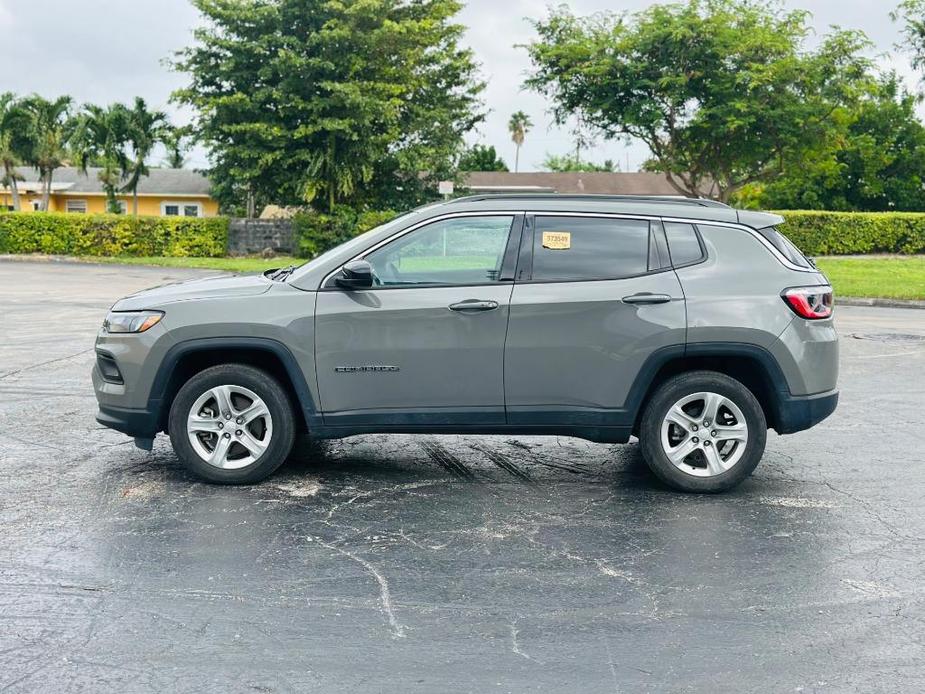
x,y
232,424
703,432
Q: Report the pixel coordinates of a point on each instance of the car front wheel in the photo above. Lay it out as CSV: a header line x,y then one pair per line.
x,y
703,431
232,424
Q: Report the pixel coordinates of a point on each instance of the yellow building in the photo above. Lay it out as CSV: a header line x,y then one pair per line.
x,y
166,192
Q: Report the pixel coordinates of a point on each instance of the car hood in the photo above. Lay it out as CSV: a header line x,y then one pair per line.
x,y
205,288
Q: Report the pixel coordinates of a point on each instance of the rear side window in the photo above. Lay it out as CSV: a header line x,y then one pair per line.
x,y
785,246
683,243
590,248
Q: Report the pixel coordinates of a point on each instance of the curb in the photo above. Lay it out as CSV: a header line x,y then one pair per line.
x,y
878,303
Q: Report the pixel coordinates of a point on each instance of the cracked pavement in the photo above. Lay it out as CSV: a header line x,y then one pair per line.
x,y
450,563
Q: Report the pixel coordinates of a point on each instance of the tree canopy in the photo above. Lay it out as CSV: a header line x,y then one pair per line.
x,y
329,101
481,158
875,162
723,92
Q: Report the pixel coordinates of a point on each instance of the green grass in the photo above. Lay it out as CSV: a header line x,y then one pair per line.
x,y
245,264
893,277
889,277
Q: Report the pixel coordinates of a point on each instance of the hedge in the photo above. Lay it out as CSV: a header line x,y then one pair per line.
x,y
318,232
112,235
848,233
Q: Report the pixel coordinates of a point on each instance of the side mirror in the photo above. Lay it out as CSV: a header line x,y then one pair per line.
x,y
356,274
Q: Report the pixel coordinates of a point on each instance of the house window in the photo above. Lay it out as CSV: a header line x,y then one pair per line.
x,y
181,209
79,206
36,205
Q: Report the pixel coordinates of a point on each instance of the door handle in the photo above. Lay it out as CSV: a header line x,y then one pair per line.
x,y
646,298
473,305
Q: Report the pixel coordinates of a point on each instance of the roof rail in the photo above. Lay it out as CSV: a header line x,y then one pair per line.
x,y
666,199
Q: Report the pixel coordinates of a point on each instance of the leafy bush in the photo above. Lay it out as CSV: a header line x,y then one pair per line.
x,y
112,235
847,233
317,232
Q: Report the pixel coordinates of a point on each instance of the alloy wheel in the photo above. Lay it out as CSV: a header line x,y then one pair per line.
x,y
229,427
704,434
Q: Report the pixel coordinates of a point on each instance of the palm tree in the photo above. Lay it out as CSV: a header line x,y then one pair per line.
x,y
12,127
177,142
518,126
49,129
99,138
144,129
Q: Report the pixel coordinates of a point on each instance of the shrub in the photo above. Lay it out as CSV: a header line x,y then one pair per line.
x,y
845,233
317,232
112,235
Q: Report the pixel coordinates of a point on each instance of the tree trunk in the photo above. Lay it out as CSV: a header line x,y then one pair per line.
x,y
135,201
14,190
516,158
46,190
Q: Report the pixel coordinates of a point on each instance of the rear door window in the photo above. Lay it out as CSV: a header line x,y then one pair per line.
x,y
591,248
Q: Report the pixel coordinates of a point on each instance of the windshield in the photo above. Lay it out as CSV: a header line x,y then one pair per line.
x,y
785,246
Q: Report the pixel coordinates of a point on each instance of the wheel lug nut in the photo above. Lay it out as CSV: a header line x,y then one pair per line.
x,y
221,426
706,422
240,420
712,433
695,439
226,435
693,427
237,433
227,416
706,443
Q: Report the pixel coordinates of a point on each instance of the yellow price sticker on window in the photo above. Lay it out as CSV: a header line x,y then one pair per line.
x,y
557,240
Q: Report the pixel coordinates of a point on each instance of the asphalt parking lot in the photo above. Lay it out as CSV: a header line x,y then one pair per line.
x,y
433,564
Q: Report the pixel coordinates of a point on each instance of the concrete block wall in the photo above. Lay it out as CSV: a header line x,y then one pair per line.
x,y
255,235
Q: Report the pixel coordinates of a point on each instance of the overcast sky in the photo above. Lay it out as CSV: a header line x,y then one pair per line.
x,y
112,50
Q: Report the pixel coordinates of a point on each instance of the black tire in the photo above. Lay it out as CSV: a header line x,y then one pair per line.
x,y
674,390
259,382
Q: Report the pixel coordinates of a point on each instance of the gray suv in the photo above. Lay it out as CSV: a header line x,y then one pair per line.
x,y
686,323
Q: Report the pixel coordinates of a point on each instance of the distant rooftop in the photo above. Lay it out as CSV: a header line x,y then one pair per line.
x,y
70,180
575,182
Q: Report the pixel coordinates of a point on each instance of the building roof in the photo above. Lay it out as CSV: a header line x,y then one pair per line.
x,y
594,182
69,180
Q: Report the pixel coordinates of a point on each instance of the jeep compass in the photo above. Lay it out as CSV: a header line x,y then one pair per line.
x,y
686,323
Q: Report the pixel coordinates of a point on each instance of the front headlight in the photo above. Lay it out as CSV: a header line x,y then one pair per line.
x,y
131,321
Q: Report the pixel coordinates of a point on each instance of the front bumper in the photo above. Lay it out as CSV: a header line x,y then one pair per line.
x,y
799,412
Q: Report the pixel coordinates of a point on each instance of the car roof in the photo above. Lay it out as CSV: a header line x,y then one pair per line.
x,y
648,205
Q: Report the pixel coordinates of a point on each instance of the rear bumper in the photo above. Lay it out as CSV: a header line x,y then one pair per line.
x,y
799,412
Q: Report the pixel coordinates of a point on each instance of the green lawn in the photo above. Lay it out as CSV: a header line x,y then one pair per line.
x,y
894,277
891,277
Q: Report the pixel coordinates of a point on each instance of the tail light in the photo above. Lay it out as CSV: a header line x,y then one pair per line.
x,y
810,302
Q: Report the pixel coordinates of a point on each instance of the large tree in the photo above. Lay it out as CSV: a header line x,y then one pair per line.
x,y
49,127
723,92
876,163
327,101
